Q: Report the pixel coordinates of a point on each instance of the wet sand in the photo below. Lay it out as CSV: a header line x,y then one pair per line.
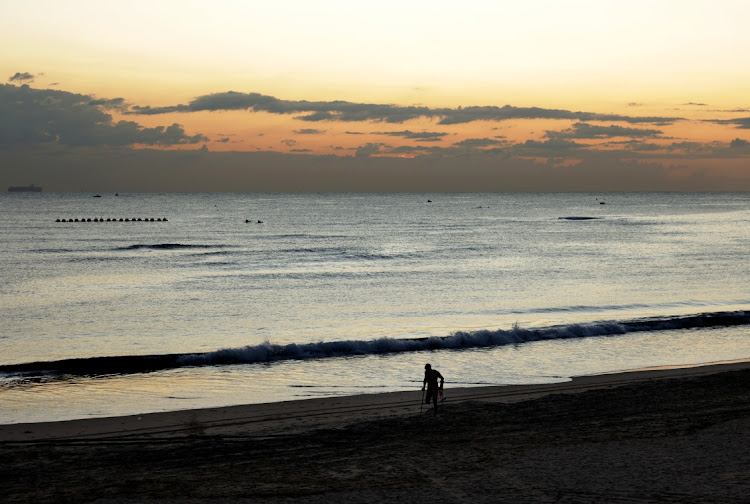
x,y
672,435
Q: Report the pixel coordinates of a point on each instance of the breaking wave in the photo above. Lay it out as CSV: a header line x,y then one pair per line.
x,y
270,352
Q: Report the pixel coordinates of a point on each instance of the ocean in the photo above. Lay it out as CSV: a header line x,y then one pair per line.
x,y
160,302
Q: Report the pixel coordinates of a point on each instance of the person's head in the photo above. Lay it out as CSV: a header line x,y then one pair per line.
x,y
427,367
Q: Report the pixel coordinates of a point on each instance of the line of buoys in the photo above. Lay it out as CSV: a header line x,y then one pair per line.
x,y
114,220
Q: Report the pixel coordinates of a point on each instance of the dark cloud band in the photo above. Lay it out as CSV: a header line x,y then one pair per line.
x,y
30,116
423,136
316,111
589,131
740,123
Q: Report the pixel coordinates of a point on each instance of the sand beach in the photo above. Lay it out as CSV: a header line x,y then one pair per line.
x,y
669,435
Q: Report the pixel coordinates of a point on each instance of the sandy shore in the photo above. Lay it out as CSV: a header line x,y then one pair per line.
x,y
671,435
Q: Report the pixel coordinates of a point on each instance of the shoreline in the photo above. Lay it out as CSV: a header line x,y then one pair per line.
x,y
297,416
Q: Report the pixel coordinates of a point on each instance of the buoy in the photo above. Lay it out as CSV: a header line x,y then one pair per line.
x,y
112,219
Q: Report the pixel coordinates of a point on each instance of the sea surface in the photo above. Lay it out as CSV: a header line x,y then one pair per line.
x,y
227,299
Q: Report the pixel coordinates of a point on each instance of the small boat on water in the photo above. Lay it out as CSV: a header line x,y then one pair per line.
x,y
31,188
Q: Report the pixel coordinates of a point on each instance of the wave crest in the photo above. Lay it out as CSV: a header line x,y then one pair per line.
x,y
270,352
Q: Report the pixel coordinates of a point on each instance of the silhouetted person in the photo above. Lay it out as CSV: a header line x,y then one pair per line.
x,y
431,380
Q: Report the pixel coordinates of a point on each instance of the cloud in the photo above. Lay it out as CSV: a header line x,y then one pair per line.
x,y
553,147
31,116
637,146
692,147
310,131
111,103
367,150
479,142
344,111
318,116
588,131
563,150
487,148
21,77
424,136
507,112
289,142
740,123
149,110
125,133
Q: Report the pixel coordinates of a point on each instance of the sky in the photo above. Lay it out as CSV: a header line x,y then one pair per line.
x,y
370,95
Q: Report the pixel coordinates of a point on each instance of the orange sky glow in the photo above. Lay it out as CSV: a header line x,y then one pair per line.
x,y
484,85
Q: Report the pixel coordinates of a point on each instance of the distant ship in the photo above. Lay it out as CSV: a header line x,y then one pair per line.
x,y
31,188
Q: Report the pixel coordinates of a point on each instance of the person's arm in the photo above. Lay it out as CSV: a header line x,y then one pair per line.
x,y
441,380
424,382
